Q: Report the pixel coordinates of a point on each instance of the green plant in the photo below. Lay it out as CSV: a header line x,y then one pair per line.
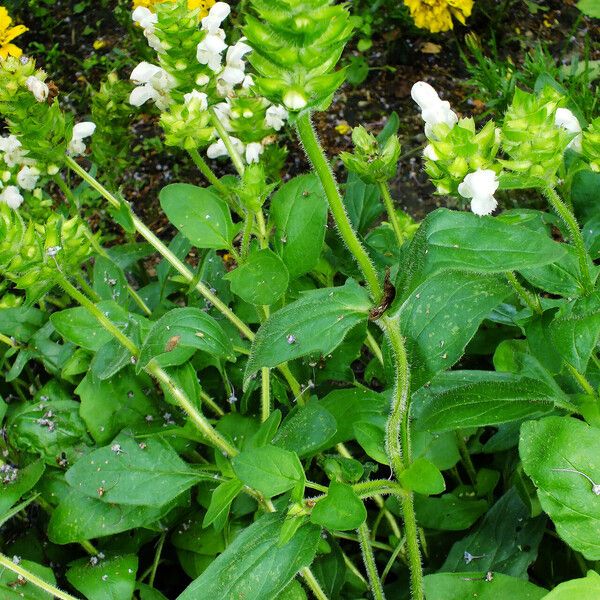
x,y
228,404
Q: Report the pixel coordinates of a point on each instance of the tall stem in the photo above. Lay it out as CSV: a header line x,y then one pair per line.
x,y
569,220
313,584
369,560
152,368
391,211
317,158
528,298
265,395
236,159
209,174
398,448
34,579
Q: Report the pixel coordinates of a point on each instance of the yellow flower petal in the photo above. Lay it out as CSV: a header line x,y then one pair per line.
x,y
5,19
12,33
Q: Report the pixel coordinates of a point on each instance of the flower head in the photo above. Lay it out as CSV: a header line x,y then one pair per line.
x,y
567,120
28,177
275,117
153,83
436,15
8,34
38,88
13,150
480,187
11,196
434,110
80,132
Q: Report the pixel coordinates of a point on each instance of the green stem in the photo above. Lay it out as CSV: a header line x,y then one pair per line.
x,y
10,342
398,449
368,489
528,298
209,174
316,156
569,220
369,560
389,207
392,560
246,234
265,395
156,560
586,386
466,459
152,368
373,346
233,153
34,579
87,289
313,584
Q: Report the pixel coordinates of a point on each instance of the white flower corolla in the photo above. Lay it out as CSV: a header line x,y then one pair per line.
x,y
13,151
480,187
209,50
147,20
275,117
80,131
218,148
294,100
235,67
153,83
216,15
430,153
196,99
11,196
223,110
434,110
253,152
567,120
38,88
28,177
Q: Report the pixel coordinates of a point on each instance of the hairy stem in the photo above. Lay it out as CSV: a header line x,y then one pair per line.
x,y
210,176
569,220
233,153
316,156
369,560
528,298
313,584
391,211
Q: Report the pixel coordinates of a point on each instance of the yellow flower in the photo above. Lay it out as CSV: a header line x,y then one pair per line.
x,y
8,34
343,128
436,15
203,5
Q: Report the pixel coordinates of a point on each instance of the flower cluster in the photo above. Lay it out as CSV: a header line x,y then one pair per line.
x,y
196,70
437,15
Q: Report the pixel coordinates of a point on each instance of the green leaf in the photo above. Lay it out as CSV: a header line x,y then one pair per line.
x,y
423,477
313,325
586,588
307,430
77,325
109,281
151,475
294,591
555,443
269,469
459,586
448,512
261,280
340,510
109,579
254,566
505,541
299,213
199,214
21,323
371,436
442,315
461,399
10,589
27,477
220,501
178,334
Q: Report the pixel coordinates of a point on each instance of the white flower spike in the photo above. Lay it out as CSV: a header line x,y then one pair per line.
x,y
38,88
480,187
567,120
434,110
11,196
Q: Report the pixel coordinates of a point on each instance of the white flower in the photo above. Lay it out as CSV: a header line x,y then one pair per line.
x,y
234,71
248,82
223,110
253,152
198,99
11,196
147,21
275,117
209,50
80,132
567,120
480,187
153,83
217,14
430,153
294,100
218,148
27,177
13,151
38,88
434,110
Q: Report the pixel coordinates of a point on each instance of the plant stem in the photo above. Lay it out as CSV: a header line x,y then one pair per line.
x,y
369,560
392,560
209,174
398,449
586,386
152,368
37,581
9,341
466,458
527,297
246,233
389,207
156,560
265,395
313,584
233,153
316,156
569,220
373,346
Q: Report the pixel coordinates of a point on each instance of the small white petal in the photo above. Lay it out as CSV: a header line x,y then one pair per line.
x,y
142,94
28,177
430,153
144,72
567,120
484,206
200,98
480,187
424,95
11,196
275,117
253,152
84,129
38,88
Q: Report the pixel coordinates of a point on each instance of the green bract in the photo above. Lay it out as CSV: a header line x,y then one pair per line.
x,y
297,44
591,144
